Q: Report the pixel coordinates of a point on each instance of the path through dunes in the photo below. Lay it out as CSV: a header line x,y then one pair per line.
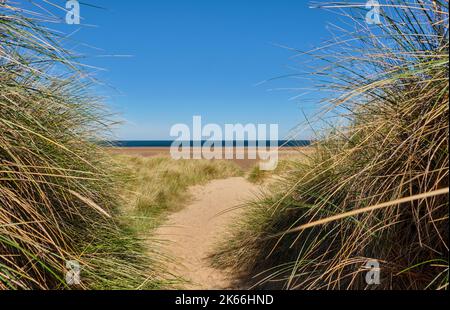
x,y
191,234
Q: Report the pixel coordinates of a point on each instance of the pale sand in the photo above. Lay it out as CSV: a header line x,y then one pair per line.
x,y
193,232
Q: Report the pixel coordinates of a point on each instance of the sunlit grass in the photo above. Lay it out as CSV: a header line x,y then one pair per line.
x,y
376,188
58,190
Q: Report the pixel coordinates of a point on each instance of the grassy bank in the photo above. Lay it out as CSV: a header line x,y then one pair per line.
x,y
158,185
58,191
375,188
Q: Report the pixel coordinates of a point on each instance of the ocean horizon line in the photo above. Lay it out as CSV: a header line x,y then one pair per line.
x,y
194,143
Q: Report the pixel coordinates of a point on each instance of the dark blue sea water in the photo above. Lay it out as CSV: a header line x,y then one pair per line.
x,y
168,143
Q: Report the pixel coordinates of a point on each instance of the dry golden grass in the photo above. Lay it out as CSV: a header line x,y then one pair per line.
x,y
375,188
58,192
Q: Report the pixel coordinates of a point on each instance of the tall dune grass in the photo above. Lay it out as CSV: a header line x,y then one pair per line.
x,y
376,188
57,189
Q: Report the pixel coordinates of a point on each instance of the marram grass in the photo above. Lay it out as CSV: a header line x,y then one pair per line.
x,y
58,192
375,188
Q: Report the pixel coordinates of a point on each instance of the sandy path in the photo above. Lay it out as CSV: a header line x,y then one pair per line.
x,y
192,233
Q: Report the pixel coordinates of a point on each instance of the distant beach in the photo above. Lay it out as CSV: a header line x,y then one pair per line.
x,y
158,150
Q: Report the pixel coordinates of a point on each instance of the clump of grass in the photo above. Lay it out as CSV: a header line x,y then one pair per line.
x,y
58,196
375,188
258,176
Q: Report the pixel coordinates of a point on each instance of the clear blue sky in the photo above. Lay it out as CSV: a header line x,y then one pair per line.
x,y
200,57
